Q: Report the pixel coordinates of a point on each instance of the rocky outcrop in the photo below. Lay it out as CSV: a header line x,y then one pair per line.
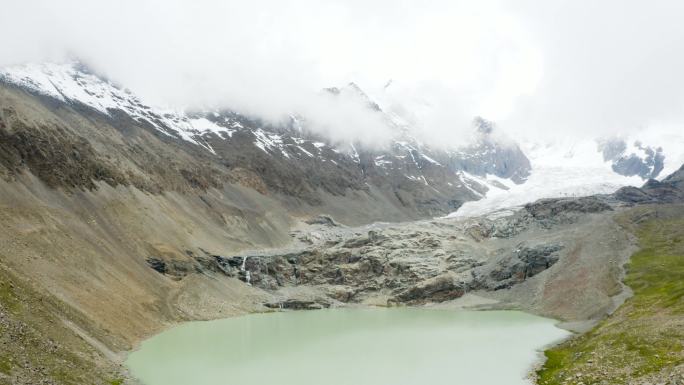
x,y
55,155
565,210
437,289
512,268
325,220
295,304
669,190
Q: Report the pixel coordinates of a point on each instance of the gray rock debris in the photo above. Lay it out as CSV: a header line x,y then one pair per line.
x,y
412,263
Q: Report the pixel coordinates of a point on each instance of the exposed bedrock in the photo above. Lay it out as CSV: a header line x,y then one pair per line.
x,y
416,263
669,190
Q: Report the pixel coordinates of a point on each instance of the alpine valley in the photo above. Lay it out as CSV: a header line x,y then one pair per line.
x,y
120,219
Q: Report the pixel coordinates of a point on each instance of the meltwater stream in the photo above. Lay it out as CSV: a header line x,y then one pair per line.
x,y
348,347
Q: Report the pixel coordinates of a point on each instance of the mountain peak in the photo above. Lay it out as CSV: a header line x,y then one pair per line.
x,y
483,126
353,90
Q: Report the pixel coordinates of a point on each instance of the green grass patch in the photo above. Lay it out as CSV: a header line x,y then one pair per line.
x,y
8,298
5,365
646,334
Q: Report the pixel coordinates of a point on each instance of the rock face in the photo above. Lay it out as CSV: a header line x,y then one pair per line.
x,y
437,289
492,155
669,190
515,267
560,208
644,161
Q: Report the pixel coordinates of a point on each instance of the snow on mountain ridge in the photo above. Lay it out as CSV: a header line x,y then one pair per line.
x,y
74,84
555,169
69,82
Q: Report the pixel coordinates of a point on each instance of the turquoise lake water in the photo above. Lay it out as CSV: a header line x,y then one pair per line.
x,y
394,346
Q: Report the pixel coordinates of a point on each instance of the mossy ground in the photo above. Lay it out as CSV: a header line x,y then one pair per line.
x,y
644,338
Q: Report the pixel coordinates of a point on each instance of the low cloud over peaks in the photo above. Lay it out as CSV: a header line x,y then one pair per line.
x,y
522,66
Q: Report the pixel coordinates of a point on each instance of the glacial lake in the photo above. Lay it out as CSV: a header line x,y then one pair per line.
x,y
397,346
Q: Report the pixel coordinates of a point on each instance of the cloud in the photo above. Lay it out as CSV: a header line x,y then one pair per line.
x,y
610,67
539,68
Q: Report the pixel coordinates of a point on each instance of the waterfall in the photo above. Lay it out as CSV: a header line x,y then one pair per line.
x,y
248,276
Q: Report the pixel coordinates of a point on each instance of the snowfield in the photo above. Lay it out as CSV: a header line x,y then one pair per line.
x,y
558,170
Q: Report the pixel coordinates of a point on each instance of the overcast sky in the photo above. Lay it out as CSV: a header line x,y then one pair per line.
x,y
553,68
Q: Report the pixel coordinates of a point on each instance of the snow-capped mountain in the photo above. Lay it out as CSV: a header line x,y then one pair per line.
x,y
295,160
287,159
74,83
492,155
